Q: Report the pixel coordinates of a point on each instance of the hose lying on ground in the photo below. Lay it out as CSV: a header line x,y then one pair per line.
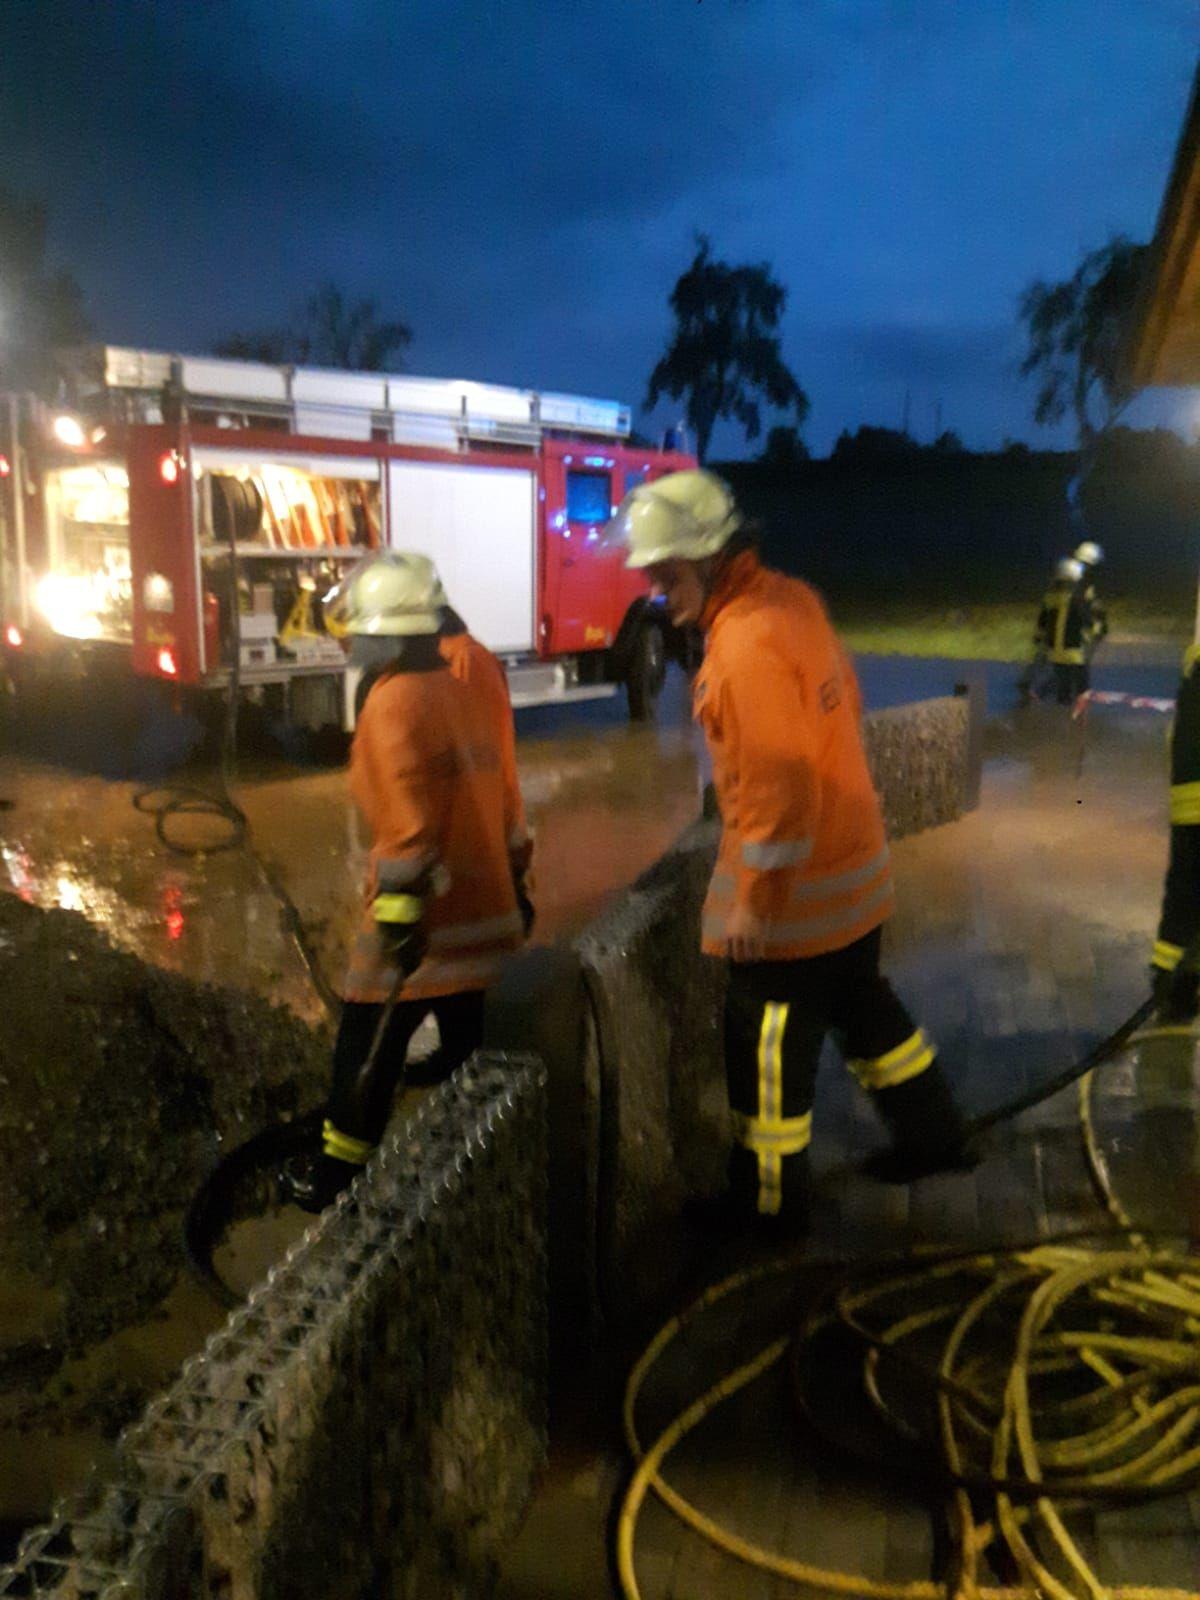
x,y
1032,1382
1041,1380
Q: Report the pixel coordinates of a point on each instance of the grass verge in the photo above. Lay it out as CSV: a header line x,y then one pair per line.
x,y
999,632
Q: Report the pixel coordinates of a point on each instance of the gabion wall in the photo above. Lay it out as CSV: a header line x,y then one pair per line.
x,y
655,1003
369,1423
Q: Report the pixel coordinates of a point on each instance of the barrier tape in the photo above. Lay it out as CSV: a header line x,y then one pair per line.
x,y
1111,697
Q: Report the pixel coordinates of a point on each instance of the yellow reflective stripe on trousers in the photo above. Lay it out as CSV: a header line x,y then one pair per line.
x,y
896,1066
770,1104
788,1136
1185,803
345,1147
1166,956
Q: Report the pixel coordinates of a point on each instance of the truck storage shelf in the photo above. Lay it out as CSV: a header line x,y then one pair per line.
x,y
276,672
335,552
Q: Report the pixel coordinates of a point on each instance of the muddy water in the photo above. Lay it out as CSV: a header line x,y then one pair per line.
x,y
604,800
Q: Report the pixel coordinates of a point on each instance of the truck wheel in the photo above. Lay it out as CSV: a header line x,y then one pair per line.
x,y
646,671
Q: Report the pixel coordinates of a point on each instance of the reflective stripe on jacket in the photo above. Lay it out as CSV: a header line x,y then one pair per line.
x,y
1067,624
427,771
802,846
475,665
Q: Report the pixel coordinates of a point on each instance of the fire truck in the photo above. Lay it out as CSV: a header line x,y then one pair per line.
x,y
182,516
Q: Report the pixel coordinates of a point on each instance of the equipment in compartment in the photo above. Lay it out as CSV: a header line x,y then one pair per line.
x,y
300,635
290,508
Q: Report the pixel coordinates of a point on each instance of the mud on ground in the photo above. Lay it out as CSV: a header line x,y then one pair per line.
x,y
120,1086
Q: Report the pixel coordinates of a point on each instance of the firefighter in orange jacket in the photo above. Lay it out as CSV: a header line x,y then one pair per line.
x,y
432,774
802,882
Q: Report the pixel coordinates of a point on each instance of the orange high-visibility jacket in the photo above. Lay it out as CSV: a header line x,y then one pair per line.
x,y
475,665
427,771
803,845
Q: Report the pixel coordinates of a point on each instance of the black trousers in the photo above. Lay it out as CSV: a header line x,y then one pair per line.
x,y
1071,679
777,1014
358,1109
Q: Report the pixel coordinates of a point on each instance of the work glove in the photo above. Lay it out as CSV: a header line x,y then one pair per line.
x,y
1175,993
524,906
400,921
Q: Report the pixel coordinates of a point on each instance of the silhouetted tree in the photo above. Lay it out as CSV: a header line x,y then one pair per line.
x,y
784,446
725,349
869,443
1073,334
948,444
41,309
329,330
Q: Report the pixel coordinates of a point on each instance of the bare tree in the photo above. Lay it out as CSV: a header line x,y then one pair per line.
x,y
329,330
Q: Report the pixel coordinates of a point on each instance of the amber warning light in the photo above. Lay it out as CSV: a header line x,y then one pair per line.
x,y
166,663
13,637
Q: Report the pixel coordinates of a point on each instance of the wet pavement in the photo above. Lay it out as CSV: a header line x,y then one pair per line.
x,y
604,799
1022,928
1022,938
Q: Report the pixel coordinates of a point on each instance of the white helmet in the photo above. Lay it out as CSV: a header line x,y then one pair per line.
x,y
392,594
1069,570
1090,553
684,515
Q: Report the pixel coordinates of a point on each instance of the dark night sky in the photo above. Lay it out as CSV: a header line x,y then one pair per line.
x,y
522,181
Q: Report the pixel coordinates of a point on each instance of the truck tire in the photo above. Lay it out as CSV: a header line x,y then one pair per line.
x,y
645,672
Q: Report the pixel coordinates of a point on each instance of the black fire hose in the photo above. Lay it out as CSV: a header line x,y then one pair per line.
x,y
213,1206
1095,1057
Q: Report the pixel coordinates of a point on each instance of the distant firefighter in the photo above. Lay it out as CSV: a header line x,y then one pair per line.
x,y
1069,625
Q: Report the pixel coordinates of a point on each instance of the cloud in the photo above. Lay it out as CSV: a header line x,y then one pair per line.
x,y
930,355
521,179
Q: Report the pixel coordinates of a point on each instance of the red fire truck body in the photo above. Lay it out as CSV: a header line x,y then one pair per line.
x,y
189,513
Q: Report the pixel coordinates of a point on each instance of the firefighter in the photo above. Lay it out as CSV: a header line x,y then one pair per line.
x,y
1090,555
1065,630
802,883
1172,968
1074,570
449,852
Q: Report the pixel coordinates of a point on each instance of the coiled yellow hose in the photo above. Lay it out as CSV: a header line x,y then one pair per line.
x,y
1115,1328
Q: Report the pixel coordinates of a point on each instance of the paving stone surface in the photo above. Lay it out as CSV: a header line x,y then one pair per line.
x,y
1021,939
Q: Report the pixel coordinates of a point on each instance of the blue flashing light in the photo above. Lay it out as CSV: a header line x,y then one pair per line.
x,y
595,461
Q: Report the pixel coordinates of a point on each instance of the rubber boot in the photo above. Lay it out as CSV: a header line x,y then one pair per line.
x,y
927,1129
734,1210
1176,994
